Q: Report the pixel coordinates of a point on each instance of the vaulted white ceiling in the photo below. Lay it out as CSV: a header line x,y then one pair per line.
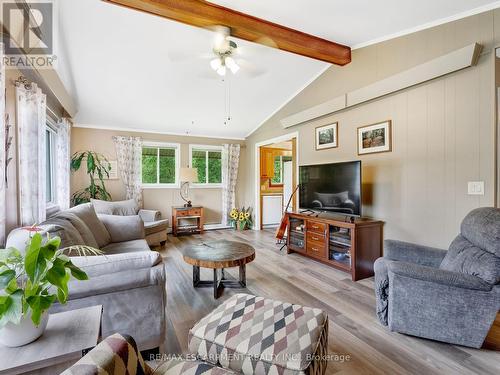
x,y
131,70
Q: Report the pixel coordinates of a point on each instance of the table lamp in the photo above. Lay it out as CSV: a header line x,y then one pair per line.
x,y
187,176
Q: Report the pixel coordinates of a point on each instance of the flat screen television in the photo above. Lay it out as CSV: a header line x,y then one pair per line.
x,y
333,188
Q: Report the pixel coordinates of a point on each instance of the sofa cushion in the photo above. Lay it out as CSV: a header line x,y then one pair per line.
x,y
87,213
151,227
254,335
126,247
123,228
104,265
463,256
123,208
80,226
482,228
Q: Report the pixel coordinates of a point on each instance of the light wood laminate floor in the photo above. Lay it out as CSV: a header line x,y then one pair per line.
x,y
354,328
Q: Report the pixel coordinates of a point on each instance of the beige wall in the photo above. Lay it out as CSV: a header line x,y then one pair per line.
x,y
443,131
160,199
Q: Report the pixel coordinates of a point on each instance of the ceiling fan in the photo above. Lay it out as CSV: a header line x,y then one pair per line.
x,y
224,50
226,55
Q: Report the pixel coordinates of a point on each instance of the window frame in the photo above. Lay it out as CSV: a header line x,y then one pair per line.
x,y
207,148
158,146
280,183
52,130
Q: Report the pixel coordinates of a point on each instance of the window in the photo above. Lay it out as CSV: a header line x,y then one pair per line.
x,y
160,165
278,169
208,161
50,177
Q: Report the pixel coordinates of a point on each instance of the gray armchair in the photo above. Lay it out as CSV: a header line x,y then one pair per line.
x,y
451,296
155,228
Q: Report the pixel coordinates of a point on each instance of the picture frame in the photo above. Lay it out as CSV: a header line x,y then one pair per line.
x,y
327,136
375,138
113,173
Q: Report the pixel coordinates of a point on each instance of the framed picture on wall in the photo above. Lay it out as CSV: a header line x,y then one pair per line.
x,y
113,173
326,136
375,138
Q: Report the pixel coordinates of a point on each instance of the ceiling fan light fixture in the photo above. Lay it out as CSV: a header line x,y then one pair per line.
x,y
231,64
215,64
222,70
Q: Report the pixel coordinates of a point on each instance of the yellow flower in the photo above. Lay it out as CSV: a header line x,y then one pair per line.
x,y
247,215
242,216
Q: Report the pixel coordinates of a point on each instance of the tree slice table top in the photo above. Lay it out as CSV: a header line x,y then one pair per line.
x,y
219,254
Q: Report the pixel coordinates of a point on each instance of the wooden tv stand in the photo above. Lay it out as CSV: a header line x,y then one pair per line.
x,y
321,237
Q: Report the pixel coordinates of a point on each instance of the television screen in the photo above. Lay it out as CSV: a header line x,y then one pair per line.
x,y
334,188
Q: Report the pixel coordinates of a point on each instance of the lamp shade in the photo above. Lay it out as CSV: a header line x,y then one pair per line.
x,y
188,175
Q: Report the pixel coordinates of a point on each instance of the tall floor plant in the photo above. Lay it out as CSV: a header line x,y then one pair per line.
x,y
98,167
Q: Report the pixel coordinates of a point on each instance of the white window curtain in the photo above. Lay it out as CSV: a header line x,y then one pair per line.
x,y
129,154
31,127
63,157
3,182
230,163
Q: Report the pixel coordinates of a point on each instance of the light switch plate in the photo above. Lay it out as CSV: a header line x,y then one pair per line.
x,y
475,188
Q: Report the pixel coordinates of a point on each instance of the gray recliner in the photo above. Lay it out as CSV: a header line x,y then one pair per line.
x,y
451,296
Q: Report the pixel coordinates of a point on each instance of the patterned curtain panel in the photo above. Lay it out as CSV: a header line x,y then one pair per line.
x,y
230,163
129,153
31,127
63,158
3,181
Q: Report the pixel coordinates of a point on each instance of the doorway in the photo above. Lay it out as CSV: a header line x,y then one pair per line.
x,y
276,179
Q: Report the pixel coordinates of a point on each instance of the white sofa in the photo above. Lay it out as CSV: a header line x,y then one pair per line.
x,y
128,281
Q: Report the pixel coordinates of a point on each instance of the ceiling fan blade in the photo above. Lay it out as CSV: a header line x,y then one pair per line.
x,y
179,56
249,69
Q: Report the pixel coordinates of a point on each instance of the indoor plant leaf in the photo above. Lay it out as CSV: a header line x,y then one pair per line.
x,y
39,304
6,277
11,308
59,277
34,261
76,272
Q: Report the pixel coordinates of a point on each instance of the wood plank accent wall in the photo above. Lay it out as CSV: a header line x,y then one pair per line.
x,y
454,61
443,131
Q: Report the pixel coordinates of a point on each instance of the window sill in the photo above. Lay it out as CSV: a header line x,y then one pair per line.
x,y
161,186
205,186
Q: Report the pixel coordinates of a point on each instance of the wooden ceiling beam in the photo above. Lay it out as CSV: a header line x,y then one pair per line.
x,y
204,14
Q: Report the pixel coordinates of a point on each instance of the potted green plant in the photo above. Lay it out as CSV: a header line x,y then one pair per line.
x,y
98,167
30,283
241,219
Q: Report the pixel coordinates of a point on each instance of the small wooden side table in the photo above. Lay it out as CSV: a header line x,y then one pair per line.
x,y
69,336
193,215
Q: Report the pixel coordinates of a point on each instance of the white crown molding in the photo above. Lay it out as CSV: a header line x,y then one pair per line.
x,y
428,25
133,130
290,98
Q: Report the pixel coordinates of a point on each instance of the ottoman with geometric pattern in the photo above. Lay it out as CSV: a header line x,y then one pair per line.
x,y
254,335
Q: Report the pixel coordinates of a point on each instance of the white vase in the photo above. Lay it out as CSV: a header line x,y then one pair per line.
x,y
14,335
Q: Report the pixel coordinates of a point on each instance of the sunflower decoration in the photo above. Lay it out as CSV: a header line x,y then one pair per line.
x,y
241,218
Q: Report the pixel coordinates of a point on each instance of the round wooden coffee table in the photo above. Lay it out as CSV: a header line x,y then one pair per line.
x,y
218,255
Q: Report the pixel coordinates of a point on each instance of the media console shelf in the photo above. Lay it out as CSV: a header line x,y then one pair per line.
x,y
348,246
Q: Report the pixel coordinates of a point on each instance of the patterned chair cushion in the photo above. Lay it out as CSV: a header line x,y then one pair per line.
x,y
184,367
254,335
116,355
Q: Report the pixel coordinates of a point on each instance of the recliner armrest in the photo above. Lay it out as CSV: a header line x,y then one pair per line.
x,y
149,215
437,276
413,253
